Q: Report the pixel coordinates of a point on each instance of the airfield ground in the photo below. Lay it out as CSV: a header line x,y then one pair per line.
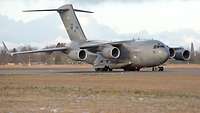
x,y
78,89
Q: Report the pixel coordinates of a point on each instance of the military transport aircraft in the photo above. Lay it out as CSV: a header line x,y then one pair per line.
x,y
129,55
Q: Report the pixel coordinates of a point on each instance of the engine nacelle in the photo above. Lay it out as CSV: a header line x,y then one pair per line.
x,y
172,52
182,54
79,54
111,52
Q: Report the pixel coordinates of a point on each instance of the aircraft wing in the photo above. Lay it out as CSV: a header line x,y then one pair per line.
x,y
50,50
62,49
98,44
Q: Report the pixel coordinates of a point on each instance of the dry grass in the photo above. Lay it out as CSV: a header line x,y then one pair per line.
x,y
99,94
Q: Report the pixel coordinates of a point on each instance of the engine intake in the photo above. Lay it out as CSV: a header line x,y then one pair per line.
x,y
79,54
182,54
111,52
172,53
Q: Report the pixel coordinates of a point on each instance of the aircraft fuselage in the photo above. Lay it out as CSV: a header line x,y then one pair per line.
x,y
133,54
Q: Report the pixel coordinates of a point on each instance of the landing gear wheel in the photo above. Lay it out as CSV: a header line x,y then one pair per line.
x,y
98,69
105,69
157,68
154,69
160,68
137,69
110,70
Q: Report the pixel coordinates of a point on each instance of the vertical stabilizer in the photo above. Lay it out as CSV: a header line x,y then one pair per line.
x,y
71,23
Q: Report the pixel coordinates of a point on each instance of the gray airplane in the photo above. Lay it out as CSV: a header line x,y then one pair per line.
x,y
129,55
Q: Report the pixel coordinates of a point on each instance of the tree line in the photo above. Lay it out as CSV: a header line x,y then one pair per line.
x,y
36,58
57,57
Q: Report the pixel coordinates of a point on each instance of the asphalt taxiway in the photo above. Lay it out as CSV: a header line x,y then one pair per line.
x,y
89,71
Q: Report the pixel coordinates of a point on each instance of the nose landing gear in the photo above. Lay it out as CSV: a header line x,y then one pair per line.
x,y
161,68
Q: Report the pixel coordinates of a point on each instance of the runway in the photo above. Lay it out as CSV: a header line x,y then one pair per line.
x,y
90,71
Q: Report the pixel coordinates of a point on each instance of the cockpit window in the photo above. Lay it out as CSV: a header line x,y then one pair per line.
x,y
158,45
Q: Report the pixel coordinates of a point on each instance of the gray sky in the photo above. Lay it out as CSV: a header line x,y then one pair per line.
x,y
175,22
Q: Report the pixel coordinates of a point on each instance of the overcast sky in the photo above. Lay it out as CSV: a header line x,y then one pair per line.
x,y
175,22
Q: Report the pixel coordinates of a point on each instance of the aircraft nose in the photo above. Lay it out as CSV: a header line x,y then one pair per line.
x,y
165,54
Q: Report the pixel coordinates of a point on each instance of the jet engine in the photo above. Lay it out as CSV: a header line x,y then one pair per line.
x,y
182,54
79,54
111,52
172,52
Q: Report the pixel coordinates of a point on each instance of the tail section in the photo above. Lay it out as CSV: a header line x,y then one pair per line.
x,y
72,24
70,21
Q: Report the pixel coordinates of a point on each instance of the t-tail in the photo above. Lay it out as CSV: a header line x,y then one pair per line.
x,y
70,21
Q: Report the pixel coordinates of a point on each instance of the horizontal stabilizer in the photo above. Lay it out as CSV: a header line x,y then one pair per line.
x,y
59,10
78,10
70,21
46,10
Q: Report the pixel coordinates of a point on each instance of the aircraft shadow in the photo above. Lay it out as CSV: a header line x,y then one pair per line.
x,y
113,72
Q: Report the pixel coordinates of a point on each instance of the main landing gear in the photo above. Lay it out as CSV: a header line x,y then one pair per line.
x,y
105,69
158,68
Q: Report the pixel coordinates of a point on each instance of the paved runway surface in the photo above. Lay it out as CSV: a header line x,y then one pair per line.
x,y
79,89
90,71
